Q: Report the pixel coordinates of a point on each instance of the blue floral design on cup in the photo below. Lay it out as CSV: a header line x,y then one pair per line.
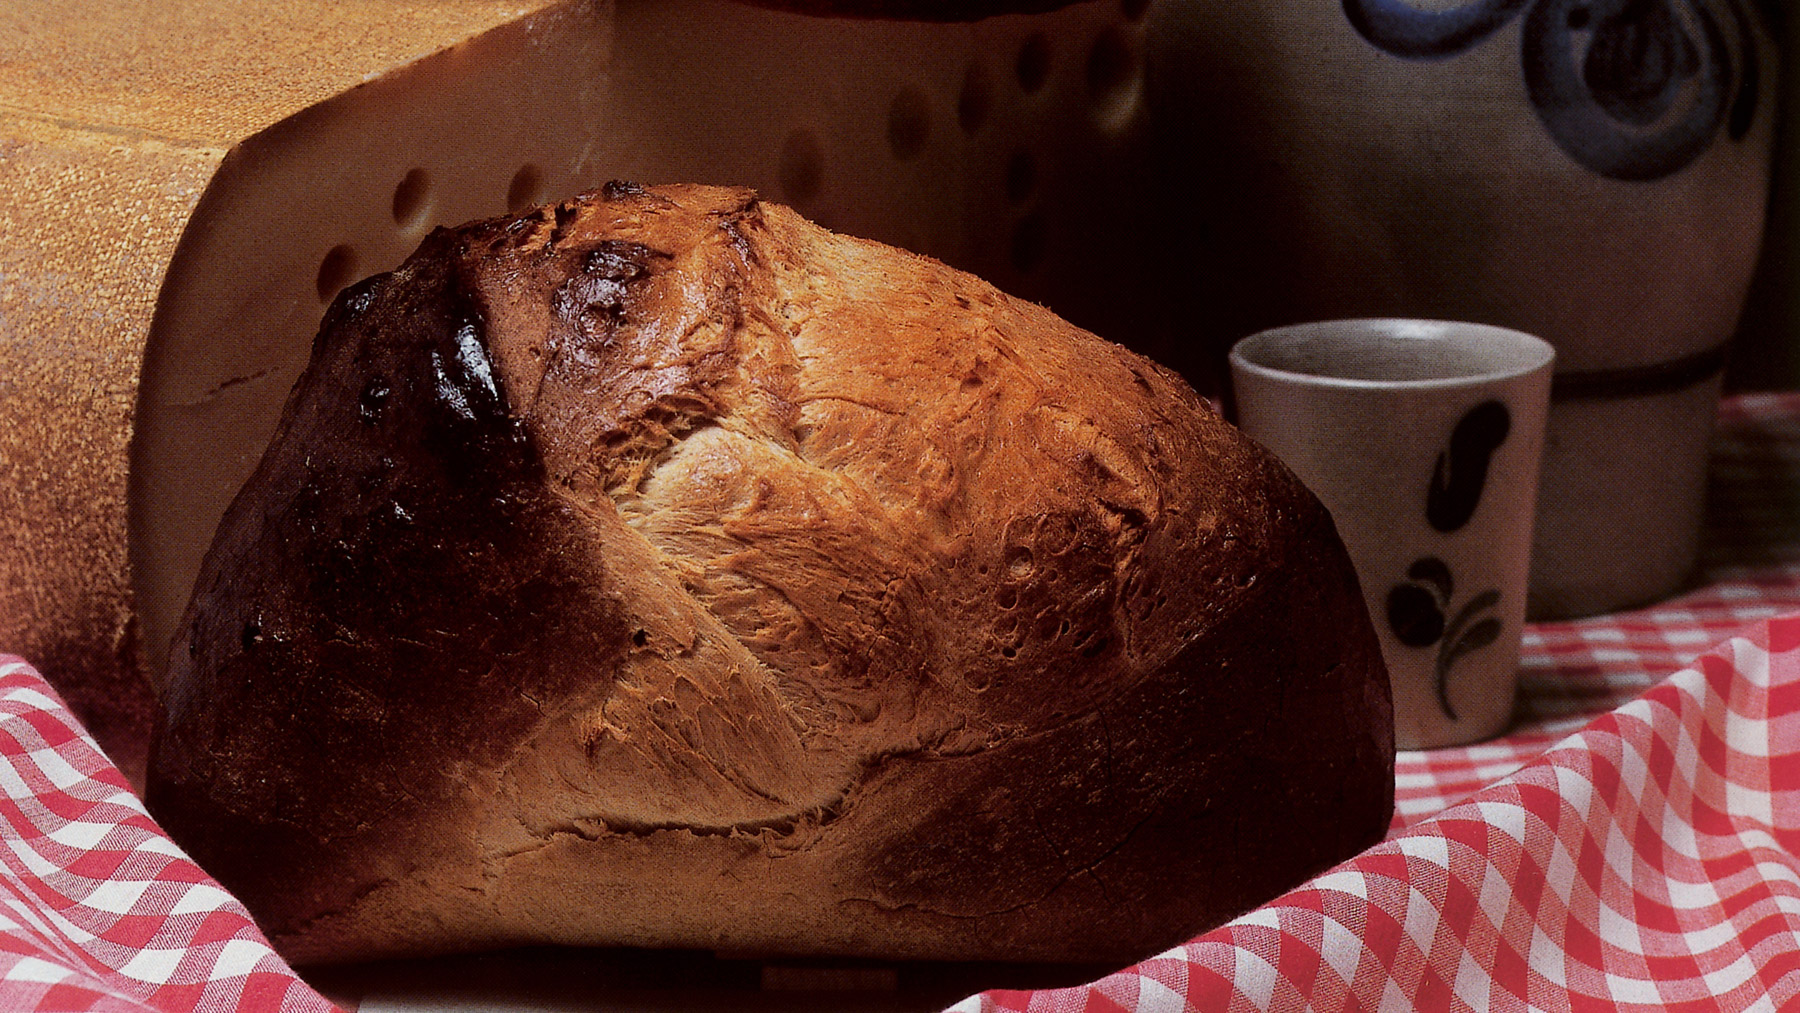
x,y
1632,89
1419,610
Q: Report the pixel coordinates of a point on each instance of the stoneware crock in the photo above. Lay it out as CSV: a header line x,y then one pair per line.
x,y
1591,171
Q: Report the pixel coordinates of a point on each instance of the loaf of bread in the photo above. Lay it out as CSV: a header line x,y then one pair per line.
x,y
660,569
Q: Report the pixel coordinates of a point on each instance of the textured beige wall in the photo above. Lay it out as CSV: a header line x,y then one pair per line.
x,y
88,221
194,71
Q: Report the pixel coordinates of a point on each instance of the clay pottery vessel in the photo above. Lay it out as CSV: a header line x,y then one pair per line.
x,y
1591,171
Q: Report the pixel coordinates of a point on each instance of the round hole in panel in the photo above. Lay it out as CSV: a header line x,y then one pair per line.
x,y
802,168
411,198
1033,64
337,269
976,99
909,124
1021,176
526,189
1029,243
1114,77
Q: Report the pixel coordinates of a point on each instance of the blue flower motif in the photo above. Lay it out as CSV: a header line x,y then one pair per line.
x,y
1632,89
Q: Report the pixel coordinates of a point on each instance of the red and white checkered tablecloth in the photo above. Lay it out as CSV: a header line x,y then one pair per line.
x,y
1650,862
1633,843
98,909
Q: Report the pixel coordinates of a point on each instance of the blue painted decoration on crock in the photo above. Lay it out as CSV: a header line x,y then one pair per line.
x,y
1631,89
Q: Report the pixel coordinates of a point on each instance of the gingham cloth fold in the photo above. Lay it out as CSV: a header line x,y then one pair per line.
x,y
1649,862
99,910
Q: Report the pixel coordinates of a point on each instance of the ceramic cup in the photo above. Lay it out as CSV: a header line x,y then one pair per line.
x,y
1423,438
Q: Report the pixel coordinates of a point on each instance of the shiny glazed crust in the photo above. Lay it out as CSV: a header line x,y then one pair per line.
x,y
659,569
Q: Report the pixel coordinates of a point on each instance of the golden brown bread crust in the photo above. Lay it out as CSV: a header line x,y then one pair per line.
x,y
659,569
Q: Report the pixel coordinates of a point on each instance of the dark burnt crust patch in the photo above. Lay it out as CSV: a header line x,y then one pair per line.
x,y
371,674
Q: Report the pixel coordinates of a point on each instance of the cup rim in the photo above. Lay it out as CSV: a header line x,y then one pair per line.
x,y
1529,353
